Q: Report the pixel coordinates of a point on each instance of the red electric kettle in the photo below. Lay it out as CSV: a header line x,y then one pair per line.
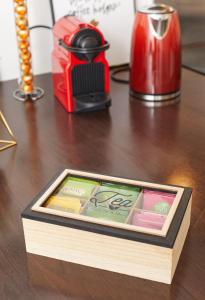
x,y
155,67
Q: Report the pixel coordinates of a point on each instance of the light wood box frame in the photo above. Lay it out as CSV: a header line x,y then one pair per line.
x,y
123,248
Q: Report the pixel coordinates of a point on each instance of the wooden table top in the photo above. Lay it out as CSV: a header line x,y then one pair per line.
x,y
163,145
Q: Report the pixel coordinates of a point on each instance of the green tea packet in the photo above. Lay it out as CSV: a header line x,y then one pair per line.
x,y
112,202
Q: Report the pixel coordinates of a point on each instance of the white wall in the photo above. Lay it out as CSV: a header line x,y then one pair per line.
x,y
41,39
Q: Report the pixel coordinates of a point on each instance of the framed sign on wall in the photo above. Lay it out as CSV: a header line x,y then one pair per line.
x,y
113,17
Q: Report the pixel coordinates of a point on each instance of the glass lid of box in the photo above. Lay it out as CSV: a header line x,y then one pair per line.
x,y
138,207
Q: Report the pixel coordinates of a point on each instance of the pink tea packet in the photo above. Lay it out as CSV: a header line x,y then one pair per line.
x,y
157,201
148,220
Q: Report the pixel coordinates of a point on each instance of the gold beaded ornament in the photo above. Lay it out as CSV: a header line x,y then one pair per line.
x,y
26,88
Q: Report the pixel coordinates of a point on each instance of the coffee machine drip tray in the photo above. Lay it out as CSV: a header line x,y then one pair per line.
x,y
92,102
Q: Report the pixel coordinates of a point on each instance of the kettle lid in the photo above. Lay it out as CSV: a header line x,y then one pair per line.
x,y
157,9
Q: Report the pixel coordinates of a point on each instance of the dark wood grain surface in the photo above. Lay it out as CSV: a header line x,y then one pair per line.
x,y
164,145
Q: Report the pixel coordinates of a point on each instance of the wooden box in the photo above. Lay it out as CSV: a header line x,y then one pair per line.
x,y
121,225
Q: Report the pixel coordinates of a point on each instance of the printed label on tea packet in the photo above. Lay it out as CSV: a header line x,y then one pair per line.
x,y
73,190
162,208
79,187
71,195
112,202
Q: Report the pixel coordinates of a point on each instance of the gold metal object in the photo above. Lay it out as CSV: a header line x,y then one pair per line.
x,y
26,89
7,143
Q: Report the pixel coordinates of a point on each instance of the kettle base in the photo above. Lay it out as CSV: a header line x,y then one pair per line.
x,y
156,97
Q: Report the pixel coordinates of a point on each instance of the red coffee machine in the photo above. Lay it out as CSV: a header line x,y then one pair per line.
x,y
80,69
155,67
